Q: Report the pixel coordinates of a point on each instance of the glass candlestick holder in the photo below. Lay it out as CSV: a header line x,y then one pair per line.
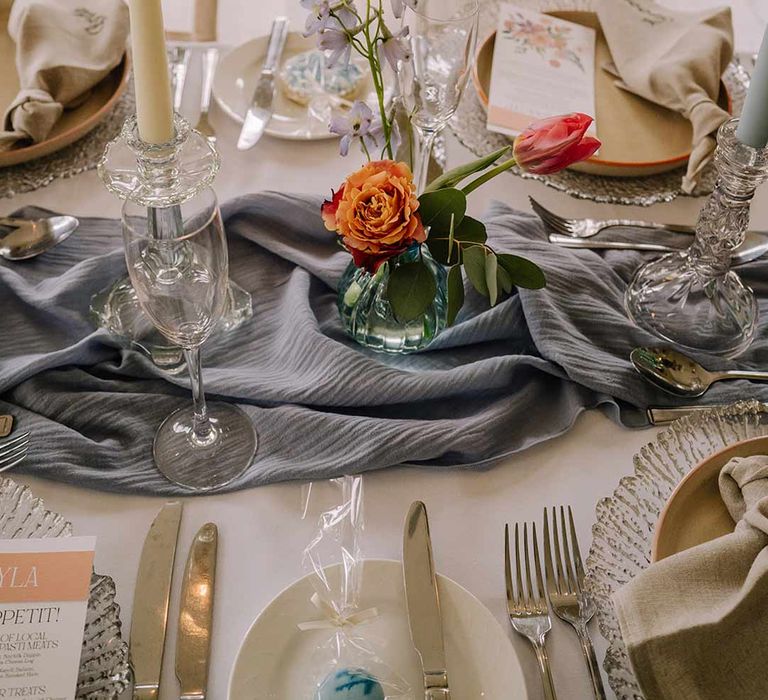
x,y
159,177
693,298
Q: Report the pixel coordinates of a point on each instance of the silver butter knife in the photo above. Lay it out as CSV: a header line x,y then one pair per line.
x,y
193,643
755,245
259,113
423,603
150,602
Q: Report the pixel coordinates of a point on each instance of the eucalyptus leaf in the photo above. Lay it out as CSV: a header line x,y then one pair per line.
x,y
450,236
456,175
491,281
438,247
474,265
523,272
471,230
455,293
436,209
411,289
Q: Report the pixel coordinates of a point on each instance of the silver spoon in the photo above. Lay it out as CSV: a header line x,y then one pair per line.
x,y
678,374
29,238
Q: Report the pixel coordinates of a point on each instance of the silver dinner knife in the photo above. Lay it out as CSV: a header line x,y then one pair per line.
x,y
259,113
193,643
423,603
150,602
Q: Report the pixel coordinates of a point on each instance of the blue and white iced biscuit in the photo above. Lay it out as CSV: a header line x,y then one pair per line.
x,y
350,684
302,74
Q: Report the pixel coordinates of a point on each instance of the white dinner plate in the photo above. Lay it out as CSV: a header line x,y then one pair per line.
x,y
275,659
236,78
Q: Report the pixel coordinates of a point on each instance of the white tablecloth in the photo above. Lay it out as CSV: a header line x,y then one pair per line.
x,y
260,530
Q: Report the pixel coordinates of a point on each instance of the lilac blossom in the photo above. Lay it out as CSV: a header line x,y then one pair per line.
x,y
357,123
319,14
398,6
394,48
336,36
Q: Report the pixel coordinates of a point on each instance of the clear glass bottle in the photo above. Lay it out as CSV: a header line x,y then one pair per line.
x,y
693,298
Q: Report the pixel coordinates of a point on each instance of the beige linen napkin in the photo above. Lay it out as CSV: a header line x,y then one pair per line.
x,y
696,624
63,49
675,59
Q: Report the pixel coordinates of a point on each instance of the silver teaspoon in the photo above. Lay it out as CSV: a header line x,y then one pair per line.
x,y
29,238
678,374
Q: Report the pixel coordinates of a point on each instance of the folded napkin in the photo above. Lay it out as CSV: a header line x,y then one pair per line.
x,y
63,49
695,623
675,59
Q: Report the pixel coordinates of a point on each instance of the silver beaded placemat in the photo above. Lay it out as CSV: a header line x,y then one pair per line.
x,y
469,127
82,155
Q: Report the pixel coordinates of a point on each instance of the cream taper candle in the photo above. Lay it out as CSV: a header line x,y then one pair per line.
x,y
753,123
154,110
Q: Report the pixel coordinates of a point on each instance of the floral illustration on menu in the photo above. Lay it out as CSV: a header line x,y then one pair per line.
x,y
550,40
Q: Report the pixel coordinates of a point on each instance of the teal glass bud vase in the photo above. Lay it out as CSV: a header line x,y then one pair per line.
x,y
367,315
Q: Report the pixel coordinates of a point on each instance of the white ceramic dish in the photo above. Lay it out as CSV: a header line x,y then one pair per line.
x,y
275,658
236,77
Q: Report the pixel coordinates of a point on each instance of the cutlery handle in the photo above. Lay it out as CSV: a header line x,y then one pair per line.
x,y
12,221
593,244
737,374
210,61
276,43
544,670
629,223
592,665
664,416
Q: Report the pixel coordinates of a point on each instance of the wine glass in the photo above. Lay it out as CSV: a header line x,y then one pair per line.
x,y
177,262
442,35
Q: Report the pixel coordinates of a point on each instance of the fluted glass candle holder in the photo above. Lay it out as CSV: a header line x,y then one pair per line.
x,y
160,177
693,298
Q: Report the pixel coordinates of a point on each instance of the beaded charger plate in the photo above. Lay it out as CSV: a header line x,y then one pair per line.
x,y
626,521
469,127
104,663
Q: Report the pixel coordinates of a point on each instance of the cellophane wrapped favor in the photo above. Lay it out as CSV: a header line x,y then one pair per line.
x,y
349,663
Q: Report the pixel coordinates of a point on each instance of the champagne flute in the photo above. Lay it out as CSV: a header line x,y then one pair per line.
x,y
442,35
178,265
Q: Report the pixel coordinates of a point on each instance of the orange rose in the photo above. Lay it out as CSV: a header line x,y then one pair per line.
x,y
376,213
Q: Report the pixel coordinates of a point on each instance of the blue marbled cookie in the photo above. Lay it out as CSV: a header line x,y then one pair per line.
x,y
350,684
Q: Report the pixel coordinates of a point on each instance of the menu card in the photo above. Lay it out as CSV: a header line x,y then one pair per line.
x,y
542,66
44,588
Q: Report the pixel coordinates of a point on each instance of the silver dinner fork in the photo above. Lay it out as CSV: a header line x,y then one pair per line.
x,y
565,588
585,228
13,450
527,609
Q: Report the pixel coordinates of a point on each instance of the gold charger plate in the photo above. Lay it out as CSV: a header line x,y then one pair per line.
x,y
695,513
639,138
74,123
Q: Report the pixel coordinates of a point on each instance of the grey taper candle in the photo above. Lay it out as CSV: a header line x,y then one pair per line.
x,y
753,123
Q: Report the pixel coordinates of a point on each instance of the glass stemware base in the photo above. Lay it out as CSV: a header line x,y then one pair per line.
x,y
201,466
116,309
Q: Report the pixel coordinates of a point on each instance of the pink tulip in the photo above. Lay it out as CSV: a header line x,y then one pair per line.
x,y
555,143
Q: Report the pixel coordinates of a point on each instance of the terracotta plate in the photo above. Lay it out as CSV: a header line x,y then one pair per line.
x,y
74,123
695,513
639,138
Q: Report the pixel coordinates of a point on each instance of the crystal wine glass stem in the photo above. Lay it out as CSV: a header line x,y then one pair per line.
x,y
202,428
426,141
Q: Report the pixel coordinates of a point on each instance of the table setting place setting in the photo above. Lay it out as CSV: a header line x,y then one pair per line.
x,y
381,323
